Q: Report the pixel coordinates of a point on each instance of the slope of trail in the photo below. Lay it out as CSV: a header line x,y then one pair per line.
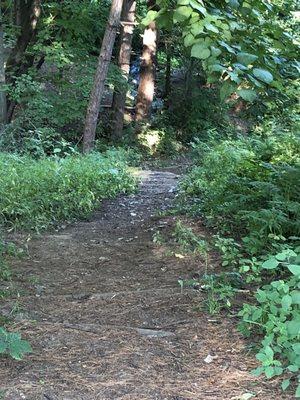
x,y
101,305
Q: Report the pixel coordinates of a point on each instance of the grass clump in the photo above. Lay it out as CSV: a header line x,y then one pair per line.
x,y
35,194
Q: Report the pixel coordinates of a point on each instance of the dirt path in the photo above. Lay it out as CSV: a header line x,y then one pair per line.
x,y
102,308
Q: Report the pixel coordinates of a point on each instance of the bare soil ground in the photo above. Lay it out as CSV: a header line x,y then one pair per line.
x,y
100,303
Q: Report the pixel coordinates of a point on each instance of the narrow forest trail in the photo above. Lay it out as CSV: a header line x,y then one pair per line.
x,y
101,305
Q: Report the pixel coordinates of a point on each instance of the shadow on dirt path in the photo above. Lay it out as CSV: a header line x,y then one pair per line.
x,y
101,306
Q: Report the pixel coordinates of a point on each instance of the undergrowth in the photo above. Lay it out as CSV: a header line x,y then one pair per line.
x,y
248,190
35,194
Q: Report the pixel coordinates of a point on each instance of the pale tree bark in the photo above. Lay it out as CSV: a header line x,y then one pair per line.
x,y
3,109
119,100
100,76
147,74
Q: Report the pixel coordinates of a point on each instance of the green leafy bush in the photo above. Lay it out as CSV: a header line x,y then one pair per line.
x,y
37,193
250,180
276,316
248,189
12,344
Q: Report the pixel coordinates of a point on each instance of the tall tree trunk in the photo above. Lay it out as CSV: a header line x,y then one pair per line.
x,y
3,109
17,13
147,74
100,76
27,14
167,89
119,100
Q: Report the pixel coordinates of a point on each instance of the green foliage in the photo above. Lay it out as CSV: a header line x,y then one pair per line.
x,y
248,188
254,180
36,194
188,240
246,46
229,249
36,142
276,316
51,107
202,110
73,27
12,344
219,291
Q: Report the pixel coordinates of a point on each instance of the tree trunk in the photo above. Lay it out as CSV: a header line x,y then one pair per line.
x,y
3,109
147,74
27,14
17,13
167,89
100,76
119,100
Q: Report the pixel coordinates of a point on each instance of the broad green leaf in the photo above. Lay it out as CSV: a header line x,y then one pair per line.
x,y
188,40
257,371
217,68
261,357
295,269
272,263
293,368
269,352
281,256
227,47
211,27
257,314
269,371
200,50
255,81
293,327
215,52
263,75
246,58
182,13
295,294
18,348
151,15
247,94
183,2
197,28
286,302
234,77
198,7
296,348
240,66
285,384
